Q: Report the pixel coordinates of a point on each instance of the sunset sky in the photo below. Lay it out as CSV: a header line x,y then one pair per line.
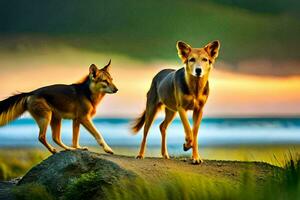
x,y
232,94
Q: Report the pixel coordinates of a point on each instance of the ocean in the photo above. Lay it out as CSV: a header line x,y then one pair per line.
x,y
213,131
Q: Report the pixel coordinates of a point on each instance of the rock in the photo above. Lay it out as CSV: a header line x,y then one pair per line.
x,y
5,190
60,171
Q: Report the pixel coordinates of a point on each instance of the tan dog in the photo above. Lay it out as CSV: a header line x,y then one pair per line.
x,y
51,104
179,91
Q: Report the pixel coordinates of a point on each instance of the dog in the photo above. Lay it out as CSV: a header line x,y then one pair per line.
x,y
179,91
51,104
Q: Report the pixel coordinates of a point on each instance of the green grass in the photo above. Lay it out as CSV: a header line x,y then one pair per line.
x,y
179,187
32,192
15,162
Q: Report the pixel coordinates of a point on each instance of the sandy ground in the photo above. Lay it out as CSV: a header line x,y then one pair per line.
x,y
156,169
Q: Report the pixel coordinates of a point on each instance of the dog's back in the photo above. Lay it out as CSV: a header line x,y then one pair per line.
x,y
64,100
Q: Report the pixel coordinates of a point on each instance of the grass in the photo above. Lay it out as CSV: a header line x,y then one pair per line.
x,y
15,162
32,192
179,187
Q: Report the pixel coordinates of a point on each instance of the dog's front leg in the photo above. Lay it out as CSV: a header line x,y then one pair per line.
x,y
197,117
88,124
76,133
187,129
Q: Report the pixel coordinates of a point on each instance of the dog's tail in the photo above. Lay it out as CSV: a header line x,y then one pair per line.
x,y
138,123
12,108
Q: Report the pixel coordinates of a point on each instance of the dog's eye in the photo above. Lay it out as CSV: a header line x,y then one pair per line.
x,y
204,59
105,81
192,60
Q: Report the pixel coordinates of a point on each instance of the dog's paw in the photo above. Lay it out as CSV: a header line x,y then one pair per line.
x,y
70,148
53,151
82,148
166,156
186,147
139,157
108,150
197,161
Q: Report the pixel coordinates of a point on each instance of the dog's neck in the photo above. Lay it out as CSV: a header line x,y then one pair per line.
x,y
94,97
196,84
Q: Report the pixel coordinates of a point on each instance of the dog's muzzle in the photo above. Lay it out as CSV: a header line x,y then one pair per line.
x,y
198,71
115,90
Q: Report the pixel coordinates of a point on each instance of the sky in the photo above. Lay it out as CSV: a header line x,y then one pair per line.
x,y
257,72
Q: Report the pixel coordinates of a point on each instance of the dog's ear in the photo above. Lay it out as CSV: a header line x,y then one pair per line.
x,y
93,71
107,67
213,49
183,50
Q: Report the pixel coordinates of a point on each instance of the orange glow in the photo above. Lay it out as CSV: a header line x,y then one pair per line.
x,y
230,93
246,94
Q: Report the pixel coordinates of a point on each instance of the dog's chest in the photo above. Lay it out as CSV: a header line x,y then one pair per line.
x,y
189,102
195,100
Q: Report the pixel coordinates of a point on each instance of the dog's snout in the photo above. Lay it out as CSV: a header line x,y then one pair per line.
x,y
198,71
115,90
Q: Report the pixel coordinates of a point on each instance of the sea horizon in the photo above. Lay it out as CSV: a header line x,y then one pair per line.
x,y
214,131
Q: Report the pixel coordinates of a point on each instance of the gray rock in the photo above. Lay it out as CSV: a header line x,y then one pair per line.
x,y
59,171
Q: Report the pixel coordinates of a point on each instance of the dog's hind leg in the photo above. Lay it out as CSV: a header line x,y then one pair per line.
x,y
152,106
41,112
163,127
43,124
56,134
151,111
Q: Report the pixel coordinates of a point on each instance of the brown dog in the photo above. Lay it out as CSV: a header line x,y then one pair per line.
x,y
51,104
179,91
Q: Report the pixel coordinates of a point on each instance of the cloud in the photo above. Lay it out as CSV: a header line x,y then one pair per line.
x,y
264,67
